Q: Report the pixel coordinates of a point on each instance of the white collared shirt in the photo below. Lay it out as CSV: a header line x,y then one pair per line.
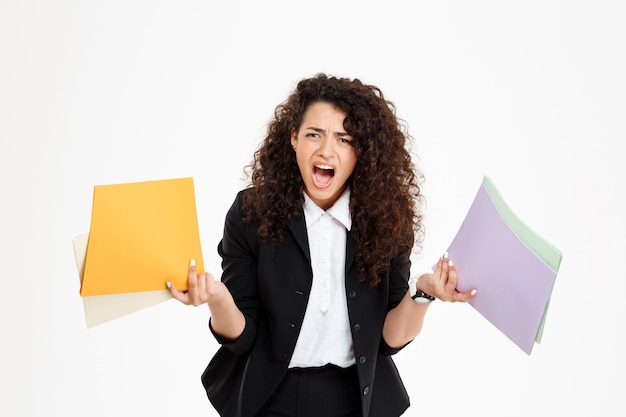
x,y
325,336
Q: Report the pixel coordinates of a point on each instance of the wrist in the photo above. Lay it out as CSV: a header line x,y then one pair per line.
x,y
420,297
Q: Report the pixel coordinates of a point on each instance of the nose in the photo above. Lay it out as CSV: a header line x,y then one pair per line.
x,y
326,149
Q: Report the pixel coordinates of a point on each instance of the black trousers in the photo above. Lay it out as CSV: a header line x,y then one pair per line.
x,y
328,391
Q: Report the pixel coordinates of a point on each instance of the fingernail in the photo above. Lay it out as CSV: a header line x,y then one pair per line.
x,y
473,292
168,284
445,255
192,262
450,263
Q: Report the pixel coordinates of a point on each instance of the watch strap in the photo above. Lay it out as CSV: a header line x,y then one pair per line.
x,y
421,297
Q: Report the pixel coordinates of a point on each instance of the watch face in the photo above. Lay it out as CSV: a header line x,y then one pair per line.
x,y
422,300
420,297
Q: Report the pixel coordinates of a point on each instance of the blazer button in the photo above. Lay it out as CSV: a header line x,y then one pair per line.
x,y
352,294
356,327
362,359
366,390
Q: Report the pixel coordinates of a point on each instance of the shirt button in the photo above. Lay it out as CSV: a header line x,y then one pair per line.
x,y
366,390
356,327
352,294
362,359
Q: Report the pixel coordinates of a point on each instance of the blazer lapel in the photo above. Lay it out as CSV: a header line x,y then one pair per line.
x,y
350,248
297,226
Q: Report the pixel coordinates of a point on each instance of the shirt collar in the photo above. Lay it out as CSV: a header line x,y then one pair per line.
x,y
340,211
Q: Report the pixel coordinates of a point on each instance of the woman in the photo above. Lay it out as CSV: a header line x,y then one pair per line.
x,y
314,297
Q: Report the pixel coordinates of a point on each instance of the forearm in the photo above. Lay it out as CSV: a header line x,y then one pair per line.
x,y
227,320
404,322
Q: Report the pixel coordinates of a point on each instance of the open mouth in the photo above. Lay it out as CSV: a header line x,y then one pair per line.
x,y
323,175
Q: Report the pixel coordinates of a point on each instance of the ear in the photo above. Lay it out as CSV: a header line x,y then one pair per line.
x,y
294,139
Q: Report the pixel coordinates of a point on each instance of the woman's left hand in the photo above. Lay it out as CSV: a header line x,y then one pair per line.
x,y
442,283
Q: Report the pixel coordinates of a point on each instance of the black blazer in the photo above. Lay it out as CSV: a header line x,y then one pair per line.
x,y
271,286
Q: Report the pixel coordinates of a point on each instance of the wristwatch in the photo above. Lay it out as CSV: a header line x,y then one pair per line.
x,y
420,297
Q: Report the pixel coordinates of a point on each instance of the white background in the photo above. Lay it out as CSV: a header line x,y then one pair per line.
x,y
530,93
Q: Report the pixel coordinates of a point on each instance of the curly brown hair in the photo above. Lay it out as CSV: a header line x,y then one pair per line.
x,y
385,195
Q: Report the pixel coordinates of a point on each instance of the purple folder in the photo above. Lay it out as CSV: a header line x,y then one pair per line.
x,y
514,284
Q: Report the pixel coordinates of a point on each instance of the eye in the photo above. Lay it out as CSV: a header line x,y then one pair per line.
x,y
345,140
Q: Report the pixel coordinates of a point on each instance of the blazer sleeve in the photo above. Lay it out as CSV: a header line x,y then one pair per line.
x,y
239,252
399,273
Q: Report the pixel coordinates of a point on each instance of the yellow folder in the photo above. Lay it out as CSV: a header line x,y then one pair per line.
x,y
100,309
142,234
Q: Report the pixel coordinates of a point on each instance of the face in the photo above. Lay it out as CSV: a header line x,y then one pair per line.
x,y
324,152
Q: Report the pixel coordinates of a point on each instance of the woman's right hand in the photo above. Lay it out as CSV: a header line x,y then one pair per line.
x,y
202,288
227,321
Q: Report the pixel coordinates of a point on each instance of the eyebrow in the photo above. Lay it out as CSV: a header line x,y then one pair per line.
x,y
320,130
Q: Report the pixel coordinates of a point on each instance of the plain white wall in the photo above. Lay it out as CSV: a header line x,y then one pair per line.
x,y
92,92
